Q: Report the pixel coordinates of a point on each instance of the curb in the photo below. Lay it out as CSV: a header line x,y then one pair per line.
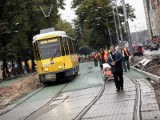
x,y
151,76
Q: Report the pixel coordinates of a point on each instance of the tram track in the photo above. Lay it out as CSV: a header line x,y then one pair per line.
x,y
49,103
137,107
18,104
38,91
86,109
137,115
78,117
29,117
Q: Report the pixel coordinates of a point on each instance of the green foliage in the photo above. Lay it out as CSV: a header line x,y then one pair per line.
x,y
95,20
62,25
20,20
84,50
76,3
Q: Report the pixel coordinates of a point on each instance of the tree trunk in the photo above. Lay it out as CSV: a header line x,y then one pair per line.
x,y
33,64
106,34
13,69
5,73
20,69
27,66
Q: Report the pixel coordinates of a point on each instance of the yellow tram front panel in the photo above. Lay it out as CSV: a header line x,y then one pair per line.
x,y
56,65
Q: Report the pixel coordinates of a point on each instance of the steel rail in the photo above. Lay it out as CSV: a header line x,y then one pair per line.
x,y
137,107
51,100
86,109
18,104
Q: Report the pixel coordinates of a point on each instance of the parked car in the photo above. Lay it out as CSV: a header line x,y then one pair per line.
x,y
153,46
138,50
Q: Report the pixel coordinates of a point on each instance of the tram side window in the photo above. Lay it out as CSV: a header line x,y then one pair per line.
x,y
70,46
37,56
65,46
62,47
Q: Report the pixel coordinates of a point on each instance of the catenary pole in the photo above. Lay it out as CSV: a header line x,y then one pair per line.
x,y
127,29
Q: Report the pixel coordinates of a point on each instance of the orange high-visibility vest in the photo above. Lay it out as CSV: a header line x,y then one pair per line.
x,y
125,50
106,55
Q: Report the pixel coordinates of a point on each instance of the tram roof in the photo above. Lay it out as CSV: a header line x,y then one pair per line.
x,y
56,33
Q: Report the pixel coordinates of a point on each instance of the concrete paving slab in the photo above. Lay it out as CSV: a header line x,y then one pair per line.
x,y
150,107
114,108
23,110
153,115
62,117
114,105
115,117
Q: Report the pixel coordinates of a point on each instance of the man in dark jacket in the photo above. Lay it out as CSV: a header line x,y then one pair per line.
x,y
115,60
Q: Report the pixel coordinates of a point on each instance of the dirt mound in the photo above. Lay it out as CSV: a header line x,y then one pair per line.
x,y
18,89
153,67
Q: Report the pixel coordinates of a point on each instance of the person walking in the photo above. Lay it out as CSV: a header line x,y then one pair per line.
x,y
101,58
106,55
125,59
115,60
79,58
95,57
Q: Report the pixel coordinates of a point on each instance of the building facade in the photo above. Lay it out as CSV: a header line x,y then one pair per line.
x,y
152,13
140,37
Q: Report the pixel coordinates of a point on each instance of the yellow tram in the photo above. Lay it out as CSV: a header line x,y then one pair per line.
x,y
55,55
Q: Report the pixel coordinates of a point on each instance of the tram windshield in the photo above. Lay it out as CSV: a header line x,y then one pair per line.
x,y
49,48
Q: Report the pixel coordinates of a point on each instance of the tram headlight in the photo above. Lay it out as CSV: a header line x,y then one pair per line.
x,y
46,69
60,67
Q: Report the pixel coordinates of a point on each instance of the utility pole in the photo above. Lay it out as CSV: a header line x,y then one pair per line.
x,y
115,23
119,24
127,29
136,34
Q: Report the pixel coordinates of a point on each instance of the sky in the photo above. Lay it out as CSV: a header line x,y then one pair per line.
x,y
138,24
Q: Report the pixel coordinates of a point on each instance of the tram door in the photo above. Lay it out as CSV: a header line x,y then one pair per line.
x,y
65,52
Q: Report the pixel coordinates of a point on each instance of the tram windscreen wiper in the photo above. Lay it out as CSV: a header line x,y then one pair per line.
x,y
54,54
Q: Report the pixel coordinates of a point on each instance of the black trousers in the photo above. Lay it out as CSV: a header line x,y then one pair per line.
x,y
125,61
96,62
118,78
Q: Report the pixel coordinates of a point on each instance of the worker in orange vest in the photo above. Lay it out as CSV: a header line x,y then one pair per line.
x,y
125,59
105,55
95,57
101,58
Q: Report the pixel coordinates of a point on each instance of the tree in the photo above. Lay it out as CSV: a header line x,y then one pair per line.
x,y
84,50
18,26
95,19
62,25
